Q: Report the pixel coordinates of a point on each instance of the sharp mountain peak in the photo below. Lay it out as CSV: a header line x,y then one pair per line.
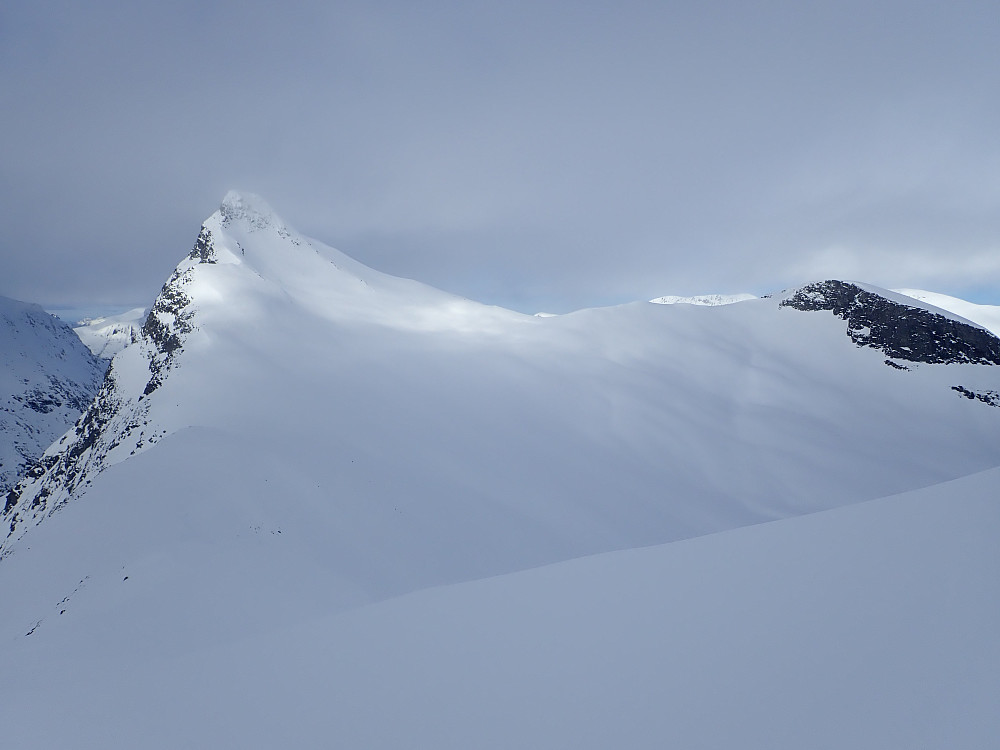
x,y
248,208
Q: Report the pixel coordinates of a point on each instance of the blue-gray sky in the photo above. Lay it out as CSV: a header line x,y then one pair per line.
x,y
542,156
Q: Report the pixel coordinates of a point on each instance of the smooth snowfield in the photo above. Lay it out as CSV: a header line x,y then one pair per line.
x,y
869,626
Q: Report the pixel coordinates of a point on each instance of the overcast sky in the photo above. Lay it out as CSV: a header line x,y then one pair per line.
x,y
541,156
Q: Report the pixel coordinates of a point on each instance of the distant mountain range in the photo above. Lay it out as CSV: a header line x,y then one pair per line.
x,y
703,299
106,336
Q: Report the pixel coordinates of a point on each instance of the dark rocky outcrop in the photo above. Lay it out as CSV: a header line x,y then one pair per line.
x,y
169,319
901,331
204,248
992,398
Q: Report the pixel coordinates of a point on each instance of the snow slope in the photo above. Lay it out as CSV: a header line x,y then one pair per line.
x,y
107,336
47,378
868,626
296,438
988,316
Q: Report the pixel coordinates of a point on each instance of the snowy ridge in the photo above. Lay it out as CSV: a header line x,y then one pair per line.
x,y
987,316
704,299
106,336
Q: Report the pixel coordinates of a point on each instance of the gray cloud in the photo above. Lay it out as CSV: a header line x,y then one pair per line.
x,y
542,155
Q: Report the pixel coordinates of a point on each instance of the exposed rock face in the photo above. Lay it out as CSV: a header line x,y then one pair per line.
x,y
902,332
47,378
118,417
169,319
204,249
992,398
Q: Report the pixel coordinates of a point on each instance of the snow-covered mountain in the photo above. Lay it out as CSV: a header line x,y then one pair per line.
x,y
710,300
296,439
106,336
47,379
988,316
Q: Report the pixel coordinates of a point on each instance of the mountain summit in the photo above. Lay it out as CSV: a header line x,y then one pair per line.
x,y
248,208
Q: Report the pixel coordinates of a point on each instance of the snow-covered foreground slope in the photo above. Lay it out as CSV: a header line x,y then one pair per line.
x,y
47,378
295,436
107,336
869,626
988,316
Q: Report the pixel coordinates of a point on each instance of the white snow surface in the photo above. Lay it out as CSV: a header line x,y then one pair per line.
x,y
106,336
869,626
709,300
362,512
987,316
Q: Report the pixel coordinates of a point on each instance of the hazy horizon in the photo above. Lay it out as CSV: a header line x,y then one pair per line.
x,y
539,157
